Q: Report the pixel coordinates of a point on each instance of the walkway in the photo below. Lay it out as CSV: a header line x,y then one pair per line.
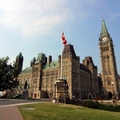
x,y
10,113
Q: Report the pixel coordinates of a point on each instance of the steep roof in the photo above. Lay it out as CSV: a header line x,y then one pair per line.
x,y
69,49
104,30
26,71
84,68
89,60
53,64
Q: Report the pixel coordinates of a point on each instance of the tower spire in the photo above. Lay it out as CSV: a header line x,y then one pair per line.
x,y
108,63
104,30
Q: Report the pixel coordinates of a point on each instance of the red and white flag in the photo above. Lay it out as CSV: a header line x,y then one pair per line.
x,y
63,39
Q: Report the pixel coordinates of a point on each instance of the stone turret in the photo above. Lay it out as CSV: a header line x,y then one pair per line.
x,y
19,62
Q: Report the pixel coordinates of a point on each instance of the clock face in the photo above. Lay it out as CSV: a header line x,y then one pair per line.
x,y
104,39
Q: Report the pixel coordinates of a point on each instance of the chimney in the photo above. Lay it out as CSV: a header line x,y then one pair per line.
x,y
45,60
49,59
59,58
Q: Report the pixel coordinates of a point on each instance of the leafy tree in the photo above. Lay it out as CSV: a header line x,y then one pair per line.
x,y
8,74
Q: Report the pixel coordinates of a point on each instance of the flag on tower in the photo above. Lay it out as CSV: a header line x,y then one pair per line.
x,y
63,38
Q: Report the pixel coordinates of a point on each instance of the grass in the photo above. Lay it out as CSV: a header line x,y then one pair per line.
x,y
57,111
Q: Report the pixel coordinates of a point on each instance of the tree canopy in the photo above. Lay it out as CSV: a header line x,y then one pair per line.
x,y
8,74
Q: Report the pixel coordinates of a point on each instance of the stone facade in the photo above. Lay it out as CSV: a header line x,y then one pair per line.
x,y
41,75
82,78
109,73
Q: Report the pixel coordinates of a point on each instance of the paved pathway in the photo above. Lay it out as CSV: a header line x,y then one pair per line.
x,y
10,113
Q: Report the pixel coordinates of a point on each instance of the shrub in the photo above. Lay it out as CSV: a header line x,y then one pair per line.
x,y
90,104
97,105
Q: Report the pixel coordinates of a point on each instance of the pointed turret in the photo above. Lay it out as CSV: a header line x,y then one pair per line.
x,y
32,61
104,30
19,61
104,35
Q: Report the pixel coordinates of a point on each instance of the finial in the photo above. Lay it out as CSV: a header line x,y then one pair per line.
x,y
102,17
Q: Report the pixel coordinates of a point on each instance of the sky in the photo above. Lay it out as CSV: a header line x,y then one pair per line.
x,y
35,26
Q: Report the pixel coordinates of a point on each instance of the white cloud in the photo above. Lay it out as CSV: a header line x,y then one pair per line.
x,y
38,17
11,60
33,17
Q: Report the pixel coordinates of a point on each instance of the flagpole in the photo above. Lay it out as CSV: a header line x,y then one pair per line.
x,y
61,62
64,41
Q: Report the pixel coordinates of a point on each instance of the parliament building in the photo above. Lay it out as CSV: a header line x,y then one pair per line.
x,y
82,77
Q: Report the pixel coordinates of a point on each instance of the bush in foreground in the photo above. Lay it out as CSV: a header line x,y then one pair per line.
x,y
97,105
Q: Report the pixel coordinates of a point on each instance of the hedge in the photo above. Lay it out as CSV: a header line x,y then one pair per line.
x,y
97,105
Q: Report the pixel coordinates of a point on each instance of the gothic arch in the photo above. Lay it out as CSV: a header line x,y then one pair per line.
x,y
109,95
108,81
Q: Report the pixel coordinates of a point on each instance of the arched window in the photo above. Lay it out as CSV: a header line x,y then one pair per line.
x,y
109,82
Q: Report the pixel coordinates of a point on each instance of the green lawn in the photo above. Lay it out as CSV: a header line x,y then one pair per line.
x,y
57,111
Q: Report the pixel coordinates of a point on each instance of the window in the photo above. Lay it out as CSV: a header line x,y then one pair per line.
x,y
47,73
56,71
51,79
66,69
47,79
35,81
108,82
36,74
52,72
35,69
105,49
107,56
56,77
64,62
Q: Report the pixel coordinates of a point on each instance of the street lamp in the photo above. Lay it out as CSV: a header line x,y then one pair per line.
x,y
113,96
118,94
112,87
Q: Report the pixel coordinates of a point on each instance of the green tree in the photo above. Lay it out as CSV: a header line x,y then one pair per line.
x,y
8,74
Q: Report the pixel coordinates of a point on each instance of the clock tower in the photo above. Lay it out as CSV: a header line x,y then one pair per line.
x,y
108,63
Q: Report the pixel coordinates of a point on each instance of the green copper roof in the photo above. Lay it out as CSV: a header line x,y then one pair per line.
x,y
20,87
53,64
104,30
26,71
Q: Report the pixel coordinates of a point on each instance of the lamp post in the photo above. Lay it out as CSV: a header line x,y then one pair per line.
x,y
113,96
25,92
112,88
118,95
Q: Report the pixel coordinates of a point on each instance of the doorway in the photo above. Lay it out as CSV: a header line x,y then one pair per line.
x,y
109,95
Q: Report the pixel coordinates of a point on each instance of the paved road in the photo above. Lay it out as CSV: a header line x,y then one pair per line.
x,y
14,102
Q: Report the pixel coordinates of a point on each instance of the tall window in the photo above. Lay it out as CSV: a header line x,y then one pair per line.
x,y
47,79
108,82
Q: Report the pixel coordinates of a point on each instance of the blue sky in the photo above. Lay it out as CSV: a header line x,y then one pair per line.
x,y
35,26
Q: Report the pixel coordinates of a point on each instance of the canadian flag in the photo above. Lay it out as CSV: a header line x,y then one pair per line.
x,y
63,38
